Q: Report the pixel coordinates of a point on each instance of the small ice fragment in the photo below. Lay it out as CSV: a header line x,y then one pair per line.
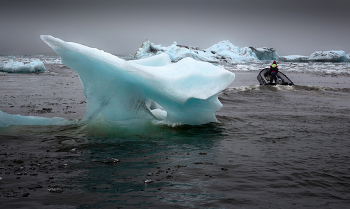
x,y
55,190
148,181
68,142
111,160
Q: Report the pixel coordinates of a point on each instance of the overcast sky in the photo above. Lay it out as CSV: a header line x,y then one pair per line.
x,y
119,27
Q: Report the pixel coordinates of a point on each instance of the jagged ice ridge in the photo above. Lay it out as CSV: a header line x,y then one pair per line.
x,y
225,52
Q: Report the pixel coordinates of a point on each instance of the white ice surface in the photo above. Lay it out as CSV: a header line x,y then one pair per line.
x,y
223,51
11,66
329,56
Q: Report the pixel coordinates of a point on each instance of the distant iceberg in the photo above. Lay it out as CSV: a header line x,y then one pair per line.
x,y
265,53
19,67
329,56
318,56
224,52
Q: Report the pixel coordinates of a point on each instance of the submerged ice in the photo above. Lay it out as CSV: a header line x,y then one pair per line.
x,y
184,92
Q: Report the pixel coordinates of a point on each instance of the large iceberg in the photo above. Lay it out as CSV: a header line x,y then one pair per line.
x,y
329,56
222,52
184,92
265,53
19,67
225,51
319,56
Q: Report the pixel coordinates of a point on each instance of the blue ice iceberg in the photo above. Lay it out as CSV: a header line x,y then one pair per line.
x,y
185,92
265,53
224,52
329,56
319,56
19,67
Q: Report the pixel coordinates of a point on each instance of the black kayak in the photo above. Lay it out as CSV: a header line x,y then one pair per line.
x,y
264,78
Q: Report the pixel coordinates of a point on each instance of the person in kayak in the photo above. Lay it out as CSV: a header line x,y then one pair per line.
x,y
273,72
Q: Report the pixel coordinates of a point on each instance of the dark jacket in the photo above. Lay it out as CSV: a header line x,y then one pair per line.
x,y
273,68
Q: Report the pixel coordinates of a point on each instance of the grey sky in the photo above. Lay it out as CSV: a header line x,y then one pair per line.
x,y
120,27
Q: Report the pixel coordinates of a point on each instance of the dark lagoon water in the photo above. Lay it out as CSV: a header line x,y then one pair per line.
x,y
273,147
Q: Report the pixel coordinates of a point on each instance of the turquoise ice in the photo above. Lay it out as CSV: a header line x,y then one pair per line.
x,y
185,92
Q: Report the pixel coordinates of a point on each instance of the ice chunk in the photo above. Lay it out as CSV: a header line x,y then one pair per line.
x,y
265,53
19,67
176,52
294,58
7,120
187,91
224,51
318,56
329,56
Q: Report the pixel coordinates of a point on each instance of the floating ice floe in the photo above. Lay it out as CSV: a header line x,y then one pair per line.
x,y
19,67
7,120
148,181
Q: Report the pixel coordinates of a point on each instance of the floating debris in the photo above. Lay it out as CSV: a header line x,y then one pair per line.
x,y
148,181
55,190
111,160
68,142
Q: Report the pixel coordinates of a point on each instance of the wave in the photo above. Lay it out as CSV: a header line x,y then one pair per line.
x,y
284,88
319,68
